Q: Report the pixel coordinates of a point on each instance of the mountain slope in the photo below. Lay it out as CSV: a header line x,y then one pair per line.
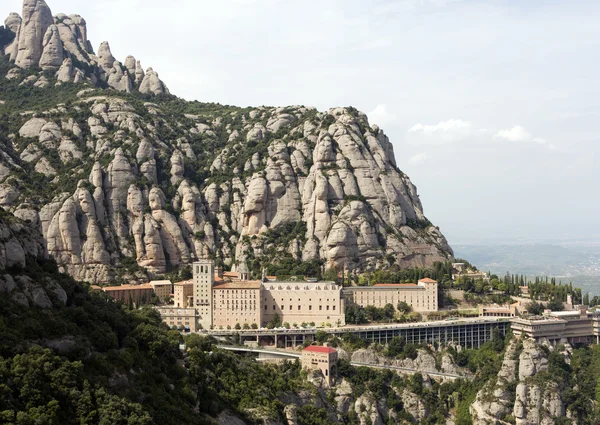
x,y
145,183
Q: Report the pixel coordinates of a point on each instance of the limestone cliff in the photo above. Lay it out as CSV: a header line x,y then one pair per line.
x,y
20,246
121,181
59,45
524,393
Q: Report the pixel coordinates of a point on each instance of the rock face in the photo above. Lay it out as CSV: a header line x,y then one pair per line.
x,y
17,241
21,241
60,44
136,183
326,180
536,398
37,18
151,84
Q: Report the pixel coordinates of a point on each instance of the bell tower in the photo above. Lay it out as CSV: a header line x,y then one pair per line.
x,y
204,279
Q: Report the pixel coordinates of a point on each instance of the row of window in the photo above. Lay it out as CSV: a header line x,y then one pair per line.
x,y
310,307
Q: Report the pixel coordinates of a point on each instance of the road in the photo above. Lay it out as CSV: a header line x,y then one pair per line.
x,y
296,355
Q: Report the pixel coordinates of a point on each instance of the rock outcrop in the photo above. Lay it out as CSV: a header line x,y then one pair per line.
x,y
523,390
326,175
134,182
21,242
37,18
151,84
60,44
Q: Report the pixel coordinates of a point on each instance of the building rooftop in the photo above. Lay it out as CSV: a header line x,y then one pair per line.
x,y
124,287
497,309
160,282
230,274
427,280
241,284
300,285
319,349
184,282
382,286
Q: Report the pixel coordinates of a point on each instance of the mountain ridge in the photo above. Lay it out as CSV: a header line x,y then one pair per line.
x,y
141,182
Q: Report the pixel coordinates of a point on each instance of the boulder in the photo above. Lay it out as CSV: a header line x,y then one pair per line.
x,y
53,53
151,84
105,58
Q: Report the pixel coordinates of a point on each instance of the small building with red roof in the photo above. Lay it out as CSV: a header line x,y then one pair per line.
x,y
322,358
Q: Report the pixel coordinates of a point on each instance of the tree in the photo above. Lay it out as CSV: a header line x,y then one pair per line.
x,y
330,275
535,308
321,336
396,346
388,311
275,322
403,307
555,305
237,326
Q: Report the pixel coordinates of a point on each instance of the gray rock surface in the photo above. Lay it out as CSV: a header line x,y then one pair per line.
x,y
37,18
151,84
53,53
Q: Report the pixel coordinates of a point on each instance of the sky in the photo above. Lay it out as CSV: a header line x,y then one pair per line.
x,y
492,106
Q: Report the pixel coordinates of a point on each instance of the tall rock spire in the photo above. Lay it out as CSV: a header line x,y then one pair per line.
x,y
37,17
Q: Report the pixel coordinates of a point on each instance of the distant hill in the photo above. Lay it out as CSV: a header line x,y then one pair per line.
x,y
580,265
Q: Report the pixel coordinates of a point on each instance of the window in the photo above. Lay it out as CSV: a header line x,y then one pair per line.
x,y
320,307
310,307
298,307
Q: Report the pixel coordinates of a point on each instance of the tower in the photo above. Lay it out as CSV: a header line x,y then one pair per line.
x,y
204,279
243,272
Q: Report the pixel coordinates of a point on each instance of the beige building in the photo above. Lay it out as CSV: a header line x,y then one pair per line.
x,y
183,293
137,294
204,280
298,302
162,289
421,297
576,327
236,302
224,300
179,317
323,358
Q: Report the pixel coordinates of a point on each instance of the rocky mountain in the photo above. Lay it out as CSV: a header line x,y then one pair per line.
x,y
526,392
59,45
126,180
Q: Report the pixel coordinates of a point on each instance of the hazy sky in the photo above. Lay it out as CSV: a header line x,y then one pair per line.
x,y
493,106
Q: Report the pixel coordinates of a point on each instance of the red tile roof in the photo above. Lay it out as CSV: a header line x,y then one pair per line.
x,y
427,280
319,349
396,285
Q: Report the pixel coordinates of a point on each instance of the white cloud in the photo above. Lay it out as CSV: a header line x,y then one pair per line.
x,y
381,116
419,158
448,131
520,134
